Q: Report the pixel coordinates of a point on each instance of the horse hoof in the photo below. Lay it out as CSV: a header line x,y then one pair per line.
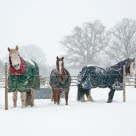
x,y
82,101
23,106
109,101
90,101
32,105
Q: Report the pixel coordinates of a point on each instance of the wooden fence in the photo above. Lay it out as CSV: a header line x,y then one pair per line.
x,y
45,81
4,83
132,83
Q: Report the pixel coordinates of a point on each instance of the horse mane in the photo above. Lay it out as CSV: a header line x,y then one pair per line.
x,y
119,66
121,63
57,65
10,63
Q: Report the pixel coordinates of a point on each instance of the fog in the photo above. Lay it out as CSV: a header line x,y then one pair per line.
x,y
45,22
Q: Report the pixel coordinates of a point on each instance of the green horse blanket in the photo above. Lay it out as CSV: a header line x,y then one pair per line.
x,y
24,79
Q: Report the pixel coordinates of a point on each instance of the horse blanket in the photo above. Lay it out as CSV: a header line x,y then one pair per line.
x,y
93,76
57,84
25,81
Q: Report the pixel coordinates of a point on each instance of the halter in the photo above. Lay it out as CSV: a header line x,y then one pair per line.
x,y
22,69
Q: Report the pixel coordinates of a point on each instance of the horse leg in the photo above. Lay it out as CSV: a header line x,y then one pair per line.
x,y
111,94
82,99
55,96
66,97
79,92
32,97
52,93
28,97
15,98
58,97
60,91
88,95
23,99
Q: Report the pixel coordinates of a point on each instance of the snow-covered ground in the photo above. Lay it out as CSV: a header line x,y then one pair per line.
x,y
77,119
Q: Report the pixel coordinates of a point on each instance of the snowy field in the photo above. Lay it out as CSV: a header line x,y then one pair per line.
x,y
77,119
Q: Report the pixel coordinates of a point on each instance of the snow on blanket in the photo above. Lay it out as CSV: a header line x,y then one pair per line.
x,y
76,119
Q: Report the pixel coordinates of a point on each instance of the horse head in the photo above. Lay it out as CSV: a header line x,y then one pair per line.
x,y
60,64
14,58
130,67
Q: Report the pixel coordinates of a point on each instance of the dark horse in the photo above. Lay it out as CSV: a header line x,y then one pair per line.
x,y
60,80
111,77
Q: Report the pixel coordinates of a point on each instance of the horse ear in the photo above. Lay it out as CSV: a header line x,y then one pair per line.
x,y
8,49
57,57
133,59
62,58
17,47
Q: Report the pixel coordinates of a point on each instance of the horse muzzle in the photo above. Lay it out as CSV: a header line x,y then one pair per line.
x,y
17,66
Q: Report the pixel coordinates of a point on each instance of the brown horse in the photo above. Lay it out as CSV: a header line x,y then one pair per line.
x,y
60,81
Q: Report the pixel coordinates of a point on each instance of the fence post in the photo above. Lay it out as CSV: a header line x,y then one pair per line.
x,y
135,80
6,87
124,84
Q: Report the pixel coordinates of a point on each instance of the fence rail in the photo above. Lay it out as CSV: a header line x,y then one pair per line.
x,y
45,81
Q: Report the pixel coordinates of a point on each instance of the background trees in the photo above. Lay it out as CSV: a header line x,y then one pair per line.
x,y
92,44
84,44
123,40
89,44
33,52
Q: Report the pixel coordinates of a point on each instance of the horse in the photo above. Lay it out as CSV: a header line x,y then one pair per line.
x,y
23,77
111,77
60,81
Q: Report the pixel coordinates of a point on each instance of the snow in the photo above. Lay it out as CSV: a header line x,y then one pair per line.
x,y
77,119
99,70
30,61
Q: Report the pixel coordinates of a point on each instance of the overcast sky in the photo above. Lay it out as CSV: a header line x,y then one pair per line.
x,y
45,22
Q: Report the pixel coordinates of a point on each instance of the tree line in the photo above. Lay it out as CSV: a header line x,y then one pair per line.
x,y
89,44
93,44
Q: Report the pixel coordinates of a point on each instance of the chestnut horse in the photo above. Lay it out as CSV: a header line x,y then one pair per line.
x,y
60,81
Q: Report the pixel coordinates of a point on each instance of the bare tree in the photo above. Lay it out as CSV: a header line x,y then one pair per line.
x,y
85,43
123,40
33,52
